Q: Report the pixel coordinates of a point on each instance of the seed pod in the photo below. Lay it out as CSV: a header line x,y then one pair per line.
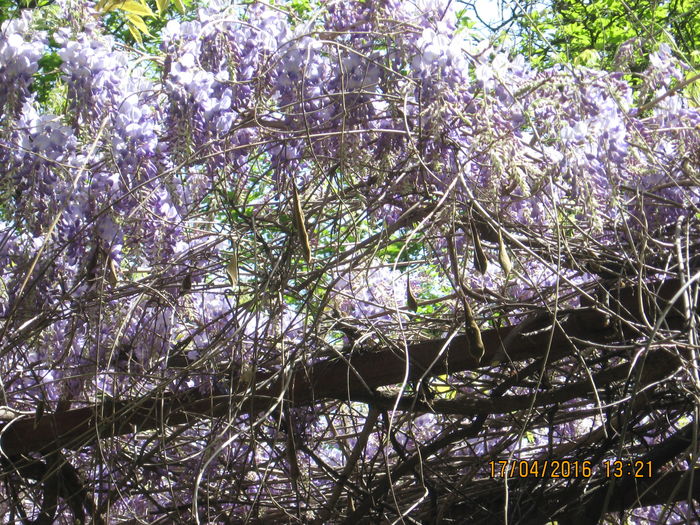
x,y
232,268
503,258
475,345
291,450
91,270
187,283
411,302
300,221
481,263
112,273
453,259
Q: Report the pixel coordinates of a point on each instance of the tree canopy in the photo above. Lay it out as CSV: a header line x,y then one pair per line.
x,y
613,34
344,262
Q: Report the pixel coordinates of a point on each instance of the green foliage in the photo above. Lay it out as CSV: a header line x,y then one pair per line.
x,y
301,7
46,80
12,8
133,12
592,32
132,20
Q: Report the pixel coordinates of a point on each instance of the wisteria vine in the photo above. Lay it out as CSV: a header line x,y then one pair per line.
x,y
272,192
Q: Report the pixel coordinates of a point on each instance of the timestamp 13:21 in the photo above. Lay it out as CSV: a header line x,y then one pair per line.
x,y
569,469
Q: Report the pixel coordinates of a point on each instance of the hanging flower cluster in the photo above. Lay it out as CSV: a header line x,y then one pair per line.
x,y
149,240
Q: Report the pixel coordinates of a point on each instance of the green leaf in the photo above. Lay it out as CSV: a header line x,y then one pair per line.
x,y
135,8
46,80
138,23
135,33
107,5
162,5
179,6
